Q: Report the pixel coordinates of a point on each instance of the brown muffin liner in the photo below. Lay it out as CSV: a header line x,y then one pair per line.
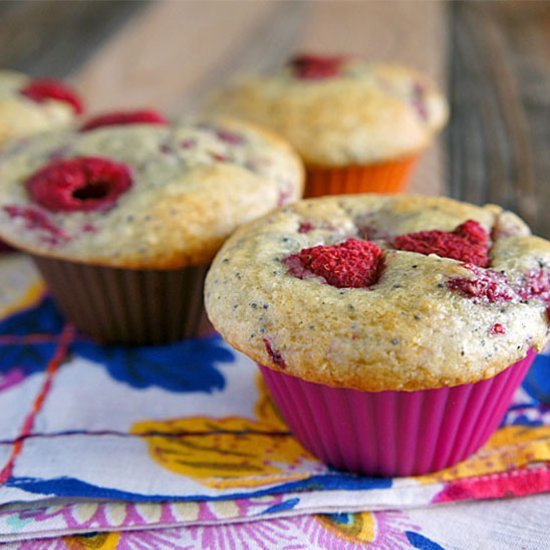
x,y
382,177
126,306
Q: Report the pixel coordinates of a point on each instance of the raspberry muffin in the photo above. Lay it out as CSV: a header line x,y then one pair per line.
x,y
124,219
358,126
392,331
29,106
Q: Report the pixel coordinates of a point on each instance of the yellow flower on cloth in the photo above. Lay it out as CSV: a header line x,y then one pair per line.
x,y
21,285
358,528
230,451
97,541
510,447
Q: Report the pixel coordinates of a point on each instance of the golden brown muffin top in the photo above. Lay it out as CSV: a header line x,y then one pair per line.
x,y
148,196
25,111
377,292
340,111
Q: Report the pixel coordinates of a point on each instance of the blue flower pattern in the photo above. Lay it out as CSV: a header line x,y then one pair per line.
x,y
186,366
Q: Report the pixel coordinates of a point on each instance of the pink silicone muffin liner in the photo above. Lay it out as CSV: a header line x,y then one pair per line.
x,y
394,433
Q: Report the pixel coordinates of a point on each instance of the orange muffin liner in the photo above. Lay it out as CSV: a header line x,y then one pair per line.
x,y
381,177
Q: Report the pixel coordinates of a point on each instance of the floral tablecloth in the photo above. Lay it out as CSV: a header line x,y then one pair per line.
x,y
180,446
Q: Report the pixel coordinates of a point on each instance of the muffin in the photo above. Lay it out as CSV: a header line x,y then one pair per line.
x,y
392,331
29,106
359,127
123,220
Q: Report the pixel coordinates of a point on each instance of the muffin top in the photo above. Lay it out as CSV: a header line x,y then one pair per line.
x,y
144,195
30,106
377,292
340,110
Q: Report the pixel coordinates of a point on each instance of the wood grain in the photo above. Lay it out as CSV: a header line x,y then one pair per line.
x,y
54,37
500,97
175,53
167,54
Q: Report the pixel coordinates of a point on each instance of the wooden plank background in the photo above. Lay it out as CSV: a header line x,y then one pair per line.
x,y
491,57
499,84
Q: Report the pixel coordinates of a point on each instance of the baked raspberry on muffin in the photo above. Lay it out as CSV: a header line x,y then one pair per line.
x,y
392,331
358,126
122,118
29,106
124,219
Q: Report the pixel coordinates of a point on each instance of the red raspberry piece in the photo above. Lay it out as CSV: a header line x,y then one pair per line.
x,y
536,285
219,158
305,227
188,144
121,118
285,196
497,328
351,264
274,354
419,100
316,67
79,184
473,231
230,138
488,286
467,243
42,89
37,220
372,233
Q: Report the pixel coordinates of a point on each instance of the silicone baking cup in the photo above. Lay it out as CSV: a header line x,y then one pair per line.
x,y
126,306
381,177
394,433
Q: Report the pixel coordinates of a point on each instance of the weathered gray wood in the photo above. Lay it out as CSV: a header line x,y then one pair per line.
x,y
499,85
54,37
265,47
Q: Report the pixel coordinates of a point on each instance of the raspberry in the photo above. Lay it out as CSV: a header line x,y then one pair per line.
x,y
488,286
536,285
285,196
351,264
188,144
37,220
467,243
419,100
218,157
121,118
315,67
274,354
79,184
373,233
305,227
42,89
497,328
473,231
230,138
